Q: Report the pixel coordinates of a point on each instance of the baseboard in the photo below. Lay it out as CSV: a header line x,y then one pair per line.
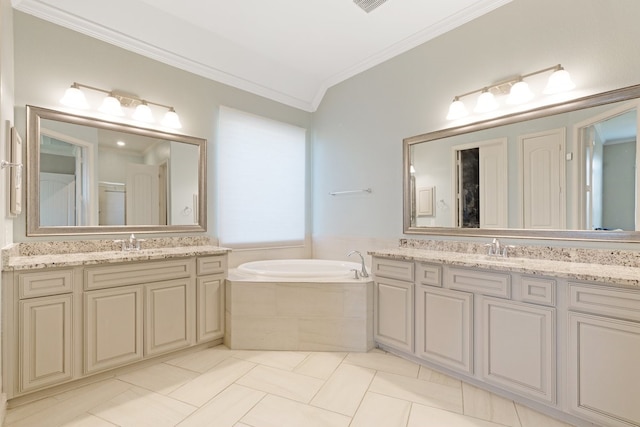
x,y
3,407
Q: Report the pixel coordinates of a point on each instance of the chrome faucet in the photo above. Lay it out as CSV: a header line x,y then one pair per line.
x,y
363,269
495,248
133,244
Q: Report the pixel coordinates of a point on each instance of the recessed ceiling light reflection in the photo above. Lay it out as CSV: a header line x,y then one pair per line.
x,y
121,143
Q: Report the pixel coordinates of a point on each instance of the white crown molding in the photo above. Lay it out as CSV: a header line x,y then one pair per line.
x,y
55,15
97,31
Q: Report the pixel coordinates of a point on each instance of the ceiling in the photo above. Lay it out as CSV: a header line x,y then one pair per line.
x,y
290,51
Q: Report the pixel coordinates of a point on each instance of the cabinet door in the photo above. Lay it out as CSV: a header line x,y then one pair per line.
x,y
393,315
45,341
519,347
210,309
444,325
113,327
604,379
169,316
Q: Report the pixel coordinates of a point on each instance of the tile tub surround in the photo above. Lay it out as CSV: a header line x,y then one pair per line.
x,y
618,268
313,316
22,256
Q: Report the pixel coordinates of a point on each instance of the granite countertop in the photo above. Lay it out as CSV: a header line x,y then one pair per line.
x,y
26,262
619,275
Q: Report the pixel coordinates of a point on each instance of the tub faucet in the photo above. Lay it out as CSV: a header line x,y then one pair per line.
x,y
363,270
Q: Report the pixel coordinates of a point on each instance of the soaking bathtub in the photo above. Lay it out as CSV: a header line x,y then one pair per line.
x,y
298,304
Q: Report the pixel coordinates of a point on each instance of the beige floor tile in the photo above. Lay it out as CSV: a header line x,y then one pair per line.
x,y
204,360
432,376
226,408
531,418
320,365
201,389
241,425
282,383
377,410
274,411
426,416
138,407
384,362
20,412
286,360
73,404
89,420
344,390
161,378
418,391
481,404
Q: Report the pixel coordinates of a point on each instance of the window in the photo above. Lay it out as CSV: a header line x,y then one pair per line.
x,y
261,181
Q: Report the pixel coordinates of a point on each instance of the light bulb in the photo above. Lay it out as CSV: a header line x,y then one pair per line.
x,y
559,81
520,93
457,110
111,105
486,102
143,113
171,119
73,97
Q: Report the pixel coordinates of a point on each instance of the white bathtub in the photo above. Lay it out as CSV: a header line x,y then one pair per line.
x,y
299,304
305,269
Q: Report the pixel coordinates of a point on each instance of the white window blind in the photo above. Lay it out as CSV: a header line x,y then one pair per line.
x,y
261,171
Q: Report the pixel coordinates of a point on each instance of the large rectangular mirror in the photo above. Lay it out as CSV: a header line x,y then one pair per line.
x,y
87,176
566,171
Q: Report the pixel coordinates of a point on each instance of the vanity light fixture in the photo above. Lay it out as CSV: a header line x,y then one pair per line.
x,y
114,101
111,105
518,89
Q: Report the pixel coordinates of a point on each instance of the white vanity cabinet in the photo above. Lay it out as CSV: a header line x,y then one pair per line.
x,y
444,327
604,352
63,324
210,286
393,303
132,311
44,303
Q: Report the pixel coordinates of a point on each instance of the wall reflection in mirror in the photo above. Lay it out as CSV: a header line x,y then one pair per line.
x,y
92,177
569,170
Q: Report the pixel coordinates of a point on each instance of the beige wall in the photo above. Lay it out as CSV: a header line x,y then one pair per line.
x,y
359,127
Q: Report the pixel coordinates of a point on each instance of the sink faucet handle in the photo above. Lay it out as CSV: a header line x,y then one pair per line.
x,y
505,250
122,243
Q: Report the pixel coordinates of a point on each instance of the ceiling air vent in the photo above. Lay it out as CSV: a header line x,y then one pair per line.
x,y
368,5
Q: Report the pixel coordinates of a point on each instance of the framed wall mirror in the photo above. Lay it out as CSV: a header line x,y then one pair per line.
x,y
566,171
91,176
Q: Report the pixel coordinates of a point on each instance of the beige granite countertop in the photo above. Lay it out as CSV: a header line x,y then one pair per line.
x,y
618,275
25,262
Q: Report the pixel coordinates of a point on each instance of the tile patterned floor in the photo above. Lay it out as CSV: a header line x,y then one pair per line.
x,y
219,387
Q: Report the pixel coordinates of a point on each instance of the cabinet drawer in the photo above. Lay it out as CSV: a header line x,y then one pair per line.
x,y
428,274
45,283
211,265
393,269
623,303
130,274
482,282
538,291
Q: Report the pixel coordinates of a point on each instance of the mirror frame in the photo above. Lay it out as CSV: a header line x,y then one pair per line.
x,y
618,95
34,117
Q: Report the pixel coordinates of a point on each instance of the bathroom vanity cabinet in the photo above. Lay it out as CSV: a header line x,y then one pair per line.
x,y
64,324
569,345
